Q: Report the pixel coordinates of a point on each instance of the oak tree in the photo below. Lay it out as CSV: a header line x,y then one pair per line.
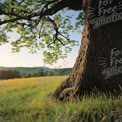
x,y
40,24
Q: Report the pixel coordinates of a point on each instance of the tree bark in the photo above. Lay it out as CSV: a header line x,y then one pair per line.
x,y
99,62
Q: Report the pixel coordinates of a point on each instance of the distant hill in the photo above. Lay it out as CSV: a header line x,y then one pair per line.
x,y
24,69
35,70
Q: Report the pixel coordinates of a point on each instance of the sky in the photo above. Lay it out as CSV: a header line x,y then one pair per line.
x,y
26,59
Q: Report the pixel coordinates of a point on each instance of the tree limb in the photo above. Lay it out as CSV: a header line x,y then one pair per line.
x,y
58,6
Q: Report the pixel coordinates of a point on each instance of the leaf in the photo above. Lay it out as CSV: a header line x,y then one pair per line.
x,y
35,32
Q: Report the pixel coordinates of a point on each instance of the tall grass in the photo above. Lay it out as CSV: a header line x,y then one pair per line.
x,y
28,100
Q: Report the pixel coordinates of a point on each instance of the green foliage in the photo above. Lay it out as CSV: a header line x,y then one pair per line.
x,y
36,30
80,19
25,72
9,74
28,100
3,38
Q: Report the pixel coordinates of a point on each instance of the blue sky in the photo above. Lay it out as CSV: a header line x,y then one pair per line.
x,y
26,59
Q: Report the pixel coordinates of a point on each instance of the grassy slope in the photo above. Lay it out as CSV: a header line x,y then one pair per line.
x,y
27,100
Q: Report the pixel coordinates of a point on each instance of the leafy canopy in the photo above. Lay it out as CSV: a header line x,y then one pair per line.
x,y
39,24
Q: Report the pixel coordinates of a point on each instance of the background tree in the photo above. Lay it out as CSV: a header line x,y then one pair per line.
x,y
9,74
40,20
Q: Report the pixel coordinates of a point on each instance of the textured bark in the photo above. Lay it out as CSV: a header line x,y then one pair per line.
x,y
88,71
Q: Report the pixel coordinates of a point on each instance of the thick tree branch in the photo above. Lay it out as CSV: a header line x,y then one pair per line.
x,y
58,6
44,11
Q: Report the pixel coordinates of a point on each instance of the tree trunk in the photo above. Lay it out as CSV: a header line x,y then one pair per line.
x,y
99,62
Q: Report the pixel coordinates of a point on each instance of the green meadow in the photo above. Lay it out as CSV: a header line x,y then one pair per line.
x,y
29,100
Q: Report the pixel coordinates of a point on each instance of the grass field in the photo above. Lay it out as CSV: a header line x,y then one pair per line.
x,y
28,100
